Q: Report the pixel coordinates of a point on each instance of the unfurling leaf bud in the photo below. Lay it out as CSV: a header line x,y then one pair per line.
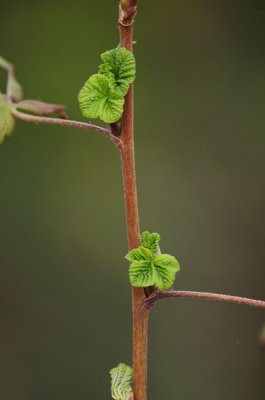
x,y
150,268
121,382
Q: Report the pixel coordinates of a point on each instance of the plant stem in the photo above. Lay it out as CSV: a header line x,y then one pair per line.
x,y
150,301
62,122
140,314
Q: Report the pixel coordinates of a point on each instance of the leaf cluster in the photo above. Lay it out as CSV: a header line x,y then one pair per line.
x,y
102,96
150,268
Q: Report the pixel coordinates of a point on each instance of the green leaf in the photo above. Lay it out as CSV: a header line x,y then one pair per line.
x,y
151,241
7,122
150,268
121,382
119,67
165,269
160,272
97,99
141,273
141,253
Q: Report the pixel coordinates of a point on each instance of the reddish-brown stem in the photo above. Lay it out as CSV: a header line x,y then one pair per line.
x,y
140,314
10,81
38,119
150,301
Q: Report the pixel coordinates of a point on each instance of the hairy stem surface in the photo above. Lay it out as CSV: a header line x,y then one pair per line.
x,y
149,303
140,314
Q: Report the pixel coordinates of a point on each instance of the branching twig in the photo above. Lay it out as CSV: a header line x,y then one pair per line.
x,y
150,301
64,122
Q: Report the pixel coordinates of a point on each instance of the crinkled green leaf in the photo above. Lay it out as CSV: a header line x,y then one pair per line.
x,y
160,272
141,273
7,122
97,99
141,253
151,241
121,382
119,67
103,94
150,268
165,269
39,107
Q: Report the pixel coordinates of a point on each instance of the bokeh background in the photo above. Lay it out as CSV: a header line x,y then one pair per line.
x,y
65,316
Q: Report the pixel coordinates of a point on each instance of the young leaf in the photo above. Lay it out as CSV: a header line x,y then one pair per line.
x,y
139,254
165,269
7,122
119,64
151,241
142,273
97,99
149,267
121,381
160,272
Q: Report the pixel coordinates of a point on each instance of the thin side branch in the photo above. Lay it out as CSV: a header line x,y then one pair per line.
x,y
150,301
63,122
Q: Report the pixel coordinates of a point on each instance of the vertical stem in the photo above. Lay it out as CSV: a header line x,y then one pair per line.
x,y
140,314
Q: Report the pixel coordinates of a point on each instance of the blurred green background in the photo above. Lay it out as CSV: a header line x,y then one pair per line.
x,y
65,316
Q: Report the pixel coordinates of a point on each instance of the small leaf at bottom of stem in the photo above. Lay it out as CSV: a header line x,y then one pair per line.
x,y
121,382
